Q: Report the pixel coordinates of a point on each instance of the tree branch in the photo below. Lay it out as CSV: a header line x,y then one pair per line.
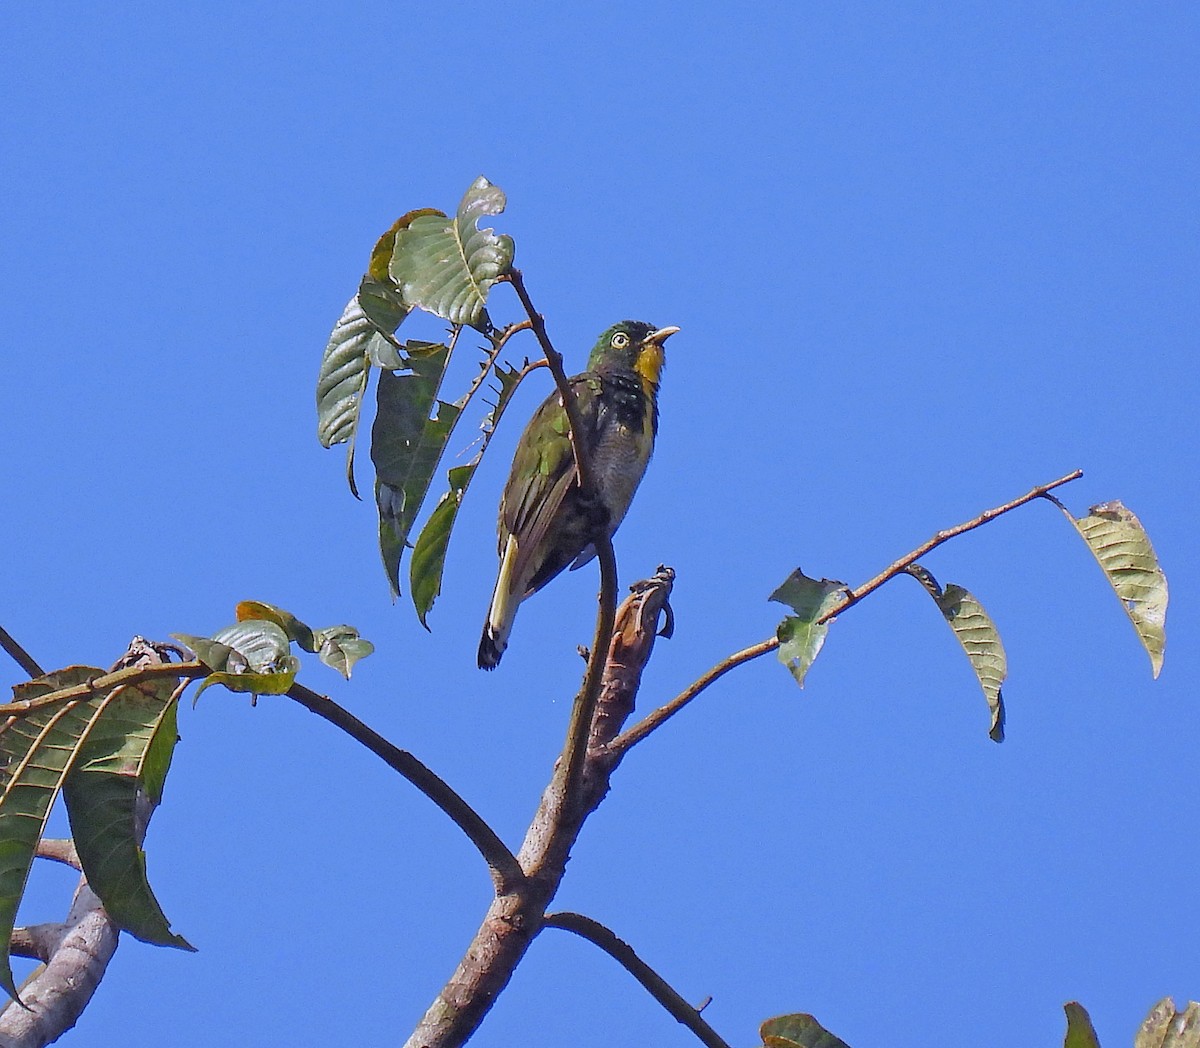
x,y
513,920
76,955
658,988
19,654
660,716
60,849
583,465
506,871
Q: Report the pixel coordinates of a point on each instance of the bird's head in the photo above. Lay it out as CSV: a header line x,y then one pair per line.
x,y
634,345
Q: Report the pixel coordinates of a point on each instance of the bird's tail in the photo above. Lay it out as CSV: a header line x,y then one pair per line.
x,y
502,612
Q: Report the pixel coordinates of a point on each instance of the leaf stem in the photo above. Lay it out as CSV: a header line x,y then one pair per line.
x,y
506,871
621,952
660,716
19,654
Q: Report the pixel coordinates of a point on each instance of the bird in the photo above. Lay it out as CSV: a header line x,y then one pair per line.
x,y
545,523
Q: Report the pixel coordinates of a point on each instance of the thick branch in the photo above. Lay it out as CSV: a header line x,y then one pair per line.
x,y
76,953
896,567
621,952
506,871
513,920
571,762
664,713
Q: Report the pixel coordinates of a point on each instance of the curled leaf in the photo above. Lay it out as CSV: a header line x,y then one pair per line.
x,y
976,632
340,647
252,656
1123,550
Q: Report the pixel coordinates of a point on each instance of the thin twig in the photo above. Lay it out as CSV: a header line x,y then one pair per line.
x,y
660,716
506,871
621,952
107,682
852,597
644,727
19,654
583,465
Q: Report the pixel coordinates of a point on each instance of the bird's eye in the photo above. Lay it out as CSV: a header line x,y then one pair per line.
x,y
619,341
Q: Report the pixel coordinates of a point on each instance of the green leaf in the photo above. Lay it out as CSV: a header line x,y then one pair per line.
x,y
337,646
340,647
429,554
250,656
797,1031
126,754
977,633
446,266
360,338
406,446
343,375
1080,1032
1164,1027
1122,548
37,747
801,636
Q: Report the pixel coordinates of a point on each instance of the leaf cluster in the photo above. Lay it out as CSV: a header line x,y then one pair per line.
x,y
446,266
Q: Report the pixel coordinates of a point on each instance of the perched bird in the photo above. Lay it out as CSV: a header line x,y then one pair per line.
x,y
545,524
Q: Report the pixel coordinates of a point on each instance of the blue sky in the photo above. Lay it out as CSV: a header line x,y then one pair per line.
x,y
923,256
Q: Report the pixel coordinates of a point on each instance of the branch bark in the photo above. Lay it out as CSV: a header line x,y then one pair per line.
x,y
658,988
506,871
514,919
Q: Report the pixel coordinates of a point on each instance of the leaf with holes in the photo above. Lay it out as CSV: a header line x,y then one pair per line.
x,y
127,754
977,633
448,266
797,1031
802,635
1122,548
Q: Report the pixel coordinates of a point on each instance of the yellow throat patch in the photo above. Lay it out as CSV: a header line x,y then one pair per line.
x,y
649,365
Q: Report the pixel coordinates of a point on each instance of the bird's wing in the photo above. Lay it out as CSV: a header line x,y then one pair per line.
x,y
543,471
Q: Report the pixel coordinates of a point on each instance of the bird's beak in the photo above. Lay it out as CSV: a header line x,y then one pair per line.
x,y
661,335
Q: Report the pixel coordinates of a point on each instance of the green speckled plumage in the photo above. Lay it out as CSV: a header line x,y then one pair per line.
x,y
544,524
